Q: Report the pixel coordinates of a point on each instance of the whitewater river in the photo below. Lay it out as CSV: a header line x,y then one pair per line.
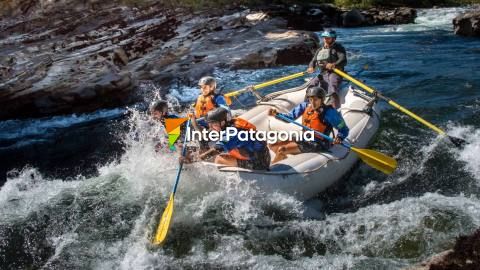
x,y
60,211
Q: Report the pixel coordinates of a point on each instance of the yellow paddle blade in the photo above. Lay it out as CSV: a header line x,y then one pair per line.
x,y
164,223
376,160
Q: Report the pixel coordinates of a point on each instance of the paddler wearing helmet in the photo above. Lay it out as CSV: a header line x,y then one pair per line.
x,y
331,55
315,115
249,154
208,100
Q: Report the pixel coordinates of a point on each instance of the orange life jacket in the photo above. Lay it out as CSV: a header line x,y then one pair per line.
x,y
204,105
315,120
245,125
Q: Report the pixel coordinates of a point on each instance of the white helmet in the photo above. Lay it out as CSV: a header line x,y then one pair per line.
x,y
208,80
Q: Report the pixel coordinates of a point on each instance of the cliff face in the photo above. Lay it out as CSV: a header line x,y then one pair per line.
x,y
72,57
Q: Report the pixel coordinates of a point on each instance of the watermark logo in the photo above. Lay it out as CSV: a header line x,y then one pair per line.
x,y
172,126
271,137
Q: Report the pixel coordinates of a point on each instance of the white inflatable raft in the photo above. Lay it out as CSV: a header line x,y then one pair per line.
x,y
305,175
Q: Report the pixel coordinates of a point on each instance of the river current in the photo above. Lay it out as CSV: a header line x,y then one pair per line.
x,y
58,213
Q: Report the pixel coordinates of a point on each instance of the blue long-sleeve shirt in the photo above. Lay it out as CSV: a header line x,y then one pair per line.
x,y
220,100
331,116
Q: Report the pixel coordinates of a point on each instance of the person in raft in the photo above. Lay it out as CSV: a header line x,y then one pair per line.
x,y
248,154
330,56
159,111
208,100
315,115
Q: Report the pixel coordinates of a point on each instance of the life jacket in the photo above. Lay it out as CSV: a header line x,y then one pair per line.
x,y
204,105
243,154
315,119
241,123
326,55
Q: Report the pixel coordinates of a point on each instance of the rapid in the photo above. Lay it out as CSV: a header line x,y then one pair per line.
x,y
102,217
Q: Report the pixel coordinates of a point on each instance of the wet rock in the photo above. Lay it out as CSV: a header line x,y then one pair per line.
x,y
465,255
75,57
467,24
120,58
379,16
308,17
432,261
405,15
353,18
251,40
313,17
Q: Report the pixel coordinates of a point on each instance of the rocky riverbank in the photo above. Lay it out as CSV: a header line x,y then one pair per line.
x,y
83,58
468,24
78,57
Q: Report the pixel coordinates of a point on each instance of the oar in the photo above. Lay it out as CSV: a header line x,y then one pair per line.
x,y
167,215
456,141
373,158
262,85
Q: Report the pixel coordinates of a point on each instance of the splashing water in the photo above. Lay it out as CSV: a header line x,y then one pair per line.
x,y
371,221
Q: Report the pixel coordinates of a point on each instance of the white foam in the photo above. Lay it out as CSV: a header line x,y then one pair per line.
x,y
470,153
29,191
377,229
439,18
426,20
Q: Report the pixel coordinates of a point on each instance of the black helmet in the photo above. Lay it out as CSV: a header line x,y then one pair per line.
x,y
208,80
316,91
217,115
161,106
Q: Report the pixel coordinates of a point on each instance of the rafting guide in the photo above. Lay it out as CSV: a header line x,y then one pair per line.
x,y
271,137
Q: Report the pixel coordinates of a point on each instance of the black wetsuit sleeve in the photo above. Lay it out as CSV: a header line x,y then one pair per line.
x,y
342,56
313,63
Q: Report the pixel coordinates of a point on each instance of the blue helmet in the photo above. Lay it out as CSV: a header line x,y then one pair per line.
x,y
329,33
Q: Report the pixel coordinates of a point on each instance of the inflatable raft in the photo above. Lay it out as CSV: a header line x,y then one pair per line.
x,y
305,175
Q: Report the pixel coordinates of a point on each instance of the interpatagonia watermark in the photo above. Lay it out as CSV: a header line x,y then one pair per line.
x,y
271,137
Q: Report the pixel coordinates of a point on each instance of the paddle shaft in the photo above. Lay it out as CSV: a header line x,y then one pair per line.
x,y
184,152
265,84
315,131
389,101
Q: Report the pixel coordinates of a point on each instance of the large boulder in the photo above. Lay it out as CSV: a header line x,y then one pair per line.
x,y
353,18
464,255
467,24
